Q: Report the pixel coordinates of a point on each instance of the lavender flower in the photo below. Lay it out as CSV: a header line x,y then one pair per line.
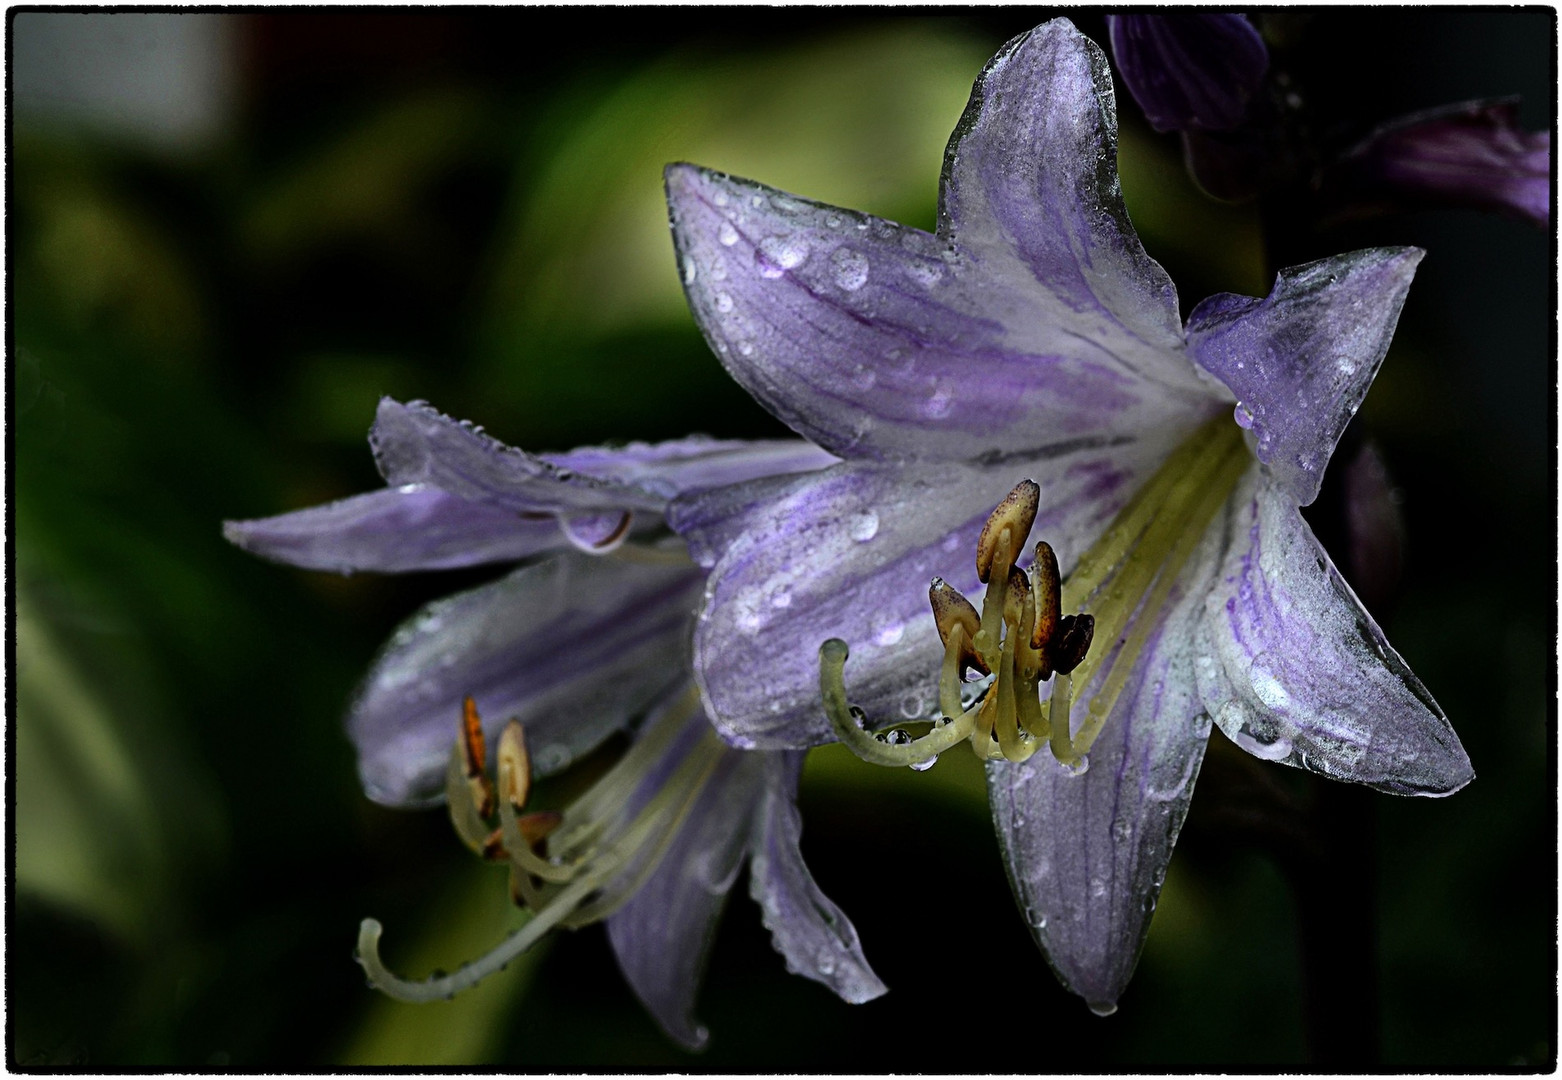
x,y
1472,154
1032,337
569,649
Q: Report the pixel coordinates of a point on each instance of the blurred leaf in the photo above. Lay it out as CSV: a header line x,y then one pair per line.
x,y
859,120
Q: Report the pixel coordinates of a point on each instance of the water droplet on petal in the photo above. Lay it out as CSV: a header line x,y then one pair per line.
x,y
723,302
938,405
727,234
746,348
1097,888
781,600
851,269
1121,831
1244,416
864,527
778,254
889,633
689,271
1077,768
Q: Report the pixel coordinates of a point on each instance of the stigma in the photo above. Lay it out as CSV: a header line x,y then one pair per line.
x,y
1117,594
572,867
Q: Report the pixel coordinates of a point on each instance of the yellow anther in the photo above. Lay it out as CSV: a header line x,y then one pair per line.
x,y
474,753
515,768
1014,515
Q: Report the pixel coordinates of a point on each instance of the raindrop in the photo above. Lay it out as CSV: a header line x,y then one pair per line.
x,y
781,600
888,634
723,302
924,766
851,269
1103,1008
826,962
1097,888
926,274
911,706
1244,416
718,270
1121,831
833,221
1078,768
864,527
746,348
778,254
689,271
1039,921
720,198
897,737
727,234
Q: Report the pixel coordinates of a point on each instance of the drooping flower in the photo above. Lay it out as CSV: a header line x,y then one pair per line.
x,y
560,654
1032,337
1472,154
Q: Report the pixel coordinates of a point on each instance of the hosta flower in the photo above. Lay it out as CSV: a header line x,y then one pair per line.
x,y
1472,154
546,663
1031,338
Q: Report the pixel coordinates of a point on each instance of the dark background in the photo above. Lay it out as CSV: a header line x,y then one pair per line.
x,y
465,207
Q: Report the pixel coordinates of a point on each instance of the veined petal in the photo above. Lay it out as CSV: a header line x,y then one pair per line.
x,y
1189,71
573,647
848,553
1030,191
1086,854
817,939
693,464
1300,361
663,934
1293,668
413,527
415,444
1034,316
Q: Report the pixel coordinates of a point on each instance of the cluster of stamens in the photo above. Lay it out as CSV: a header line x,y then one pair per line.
x,y
1021,637
568,868
1121,587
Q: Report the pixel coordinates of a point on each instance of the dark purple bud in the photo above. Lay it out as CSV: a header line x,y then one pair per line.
x,y
1471,154
1075,633
1189,72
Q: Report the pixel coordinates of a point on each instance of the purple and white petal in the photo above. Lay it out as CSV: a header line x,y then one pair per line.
x,y
415,444
1021,325
1293,669
1087,853
1189,71
692,464
413,527
848,553
663,934
573,647
817,939
1030,195
1300,360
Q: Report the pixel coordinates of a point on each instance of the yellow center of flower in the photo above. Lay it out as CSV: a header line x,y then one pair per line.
x,y
568,868
1119,590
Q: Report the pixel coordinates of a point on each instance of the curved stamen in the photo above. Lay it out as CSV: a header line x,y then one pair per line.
x,y
832,687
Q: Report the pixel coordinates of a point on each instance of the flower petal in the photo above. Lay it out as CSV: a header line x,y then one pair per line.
x,y
1189,71
573,647
847,553
413,527
663,934
1030,189
817,939
1293,668
1300,361
1086,854
692,464
1470,154
415,444
1022,324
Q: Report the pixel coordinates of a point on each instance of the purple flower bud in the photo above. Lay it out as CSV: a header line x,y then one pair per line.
x,y
1470,154
1189,72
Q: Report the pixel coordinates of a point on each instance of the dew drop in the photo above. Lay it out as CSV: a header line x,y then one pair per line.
x,y
938,405
689,271
912,706
727,234
1078,768
1103,1008
896,737
926,274
864,527
1097,888
1039,921
825,962
781,600
720,198
746,348
778,254
833,221
851,269
718,270
1121,831
1243,416
924,766
723,302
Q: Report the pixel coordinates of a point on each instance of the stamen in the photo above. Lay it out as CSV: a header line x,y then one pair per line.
x,y
474,752
832,687
1016,513
1049,600
951,611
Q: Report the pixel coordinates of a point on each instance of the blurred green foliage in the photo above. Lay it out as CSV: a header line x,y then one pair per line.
x,y
205,335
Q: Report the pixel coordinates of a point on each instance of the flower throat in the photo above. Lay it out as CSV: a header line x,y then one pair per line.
x,y
1118,592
